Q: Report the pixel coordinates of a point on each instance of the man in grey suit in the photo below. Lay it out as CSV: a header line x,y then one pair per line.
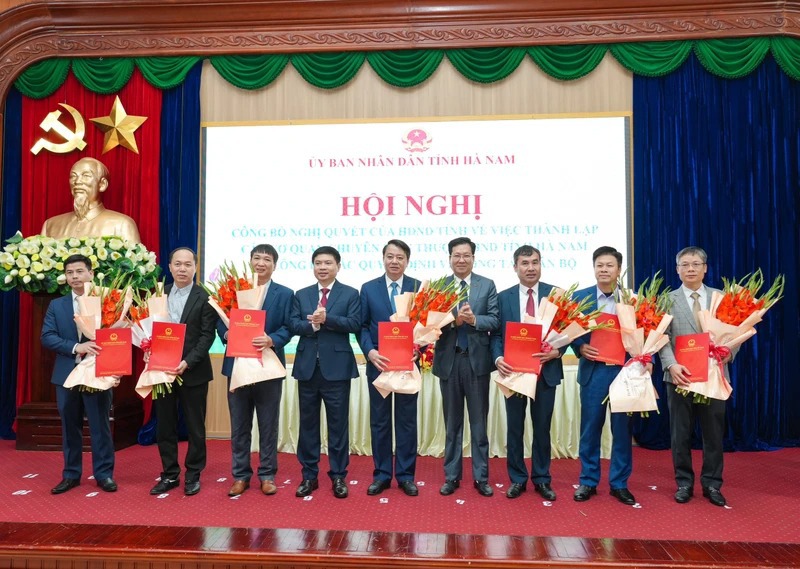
x,y
463,362
688,300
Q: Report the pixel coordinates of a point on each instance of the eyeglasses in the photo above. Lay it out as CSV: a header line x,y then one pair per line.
x,y
461,257
692,265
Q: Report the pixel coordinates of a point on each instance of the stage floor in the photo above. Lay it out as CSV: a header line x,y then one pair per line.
x,y
465,526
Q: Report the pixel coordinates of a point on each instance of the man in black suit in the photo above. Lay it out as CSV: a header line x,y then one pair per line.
x,y
514,302
60,334
324,315
187,304
463,362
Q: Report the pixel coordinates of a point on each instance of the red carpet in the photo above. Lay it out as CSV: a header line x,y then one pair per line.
x,y
760,488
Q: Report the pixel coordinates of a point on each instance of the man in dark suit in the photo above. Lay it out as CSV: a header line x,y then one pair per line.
x,y
264,397
463,362
60,334
514,302
187,304
688,300
324,315
594,378
377,305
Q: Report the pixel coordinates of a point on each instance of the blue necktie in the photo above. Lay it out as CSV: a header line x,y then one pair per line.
x,y
392,294
462,341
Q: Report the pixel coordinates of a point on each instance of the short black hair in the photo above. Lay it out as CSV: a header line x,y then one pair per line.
x,y
400,245
605,250
78,259
176,249
265,249
526,251
327,250
460,241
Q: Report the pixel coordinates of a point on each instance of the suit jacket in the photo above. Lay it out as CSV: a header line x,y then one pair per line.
x,y
278,305
588,368
377,307
60,334
483,301
552,371
201,320
331,344
683,322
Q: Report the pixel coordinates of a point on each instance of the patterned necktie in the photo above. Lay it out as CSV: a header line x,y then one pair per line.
x,y
461,340
392,294
530,308
696,308
323,302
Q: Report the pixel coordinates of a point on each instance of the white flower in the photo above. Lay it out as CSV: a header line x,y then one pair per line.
x,y
100,277
102,254
60,267
86,251
40,276
23,262
150,267
23,272
37,267
141,270
74,242
138,257
99,243
6,259
48,242
11,248
115,255
62,252
115,244
14,272
61,279
47,252
129,245
8,279
26,279
48,264
89,241
73,251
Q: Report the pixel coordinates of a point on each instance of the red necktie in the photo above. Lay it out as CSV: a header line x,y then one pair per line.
x,y
324,300
530,308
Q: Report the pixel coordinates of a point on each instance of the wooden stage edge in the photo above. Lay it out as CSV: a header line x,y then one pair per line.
x,y
76,546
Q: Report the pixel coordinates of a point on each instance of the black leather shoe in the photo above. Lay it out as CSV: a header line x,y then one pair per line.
x,y
545,491
340,488
65,484
684,494
583,493
306,488
408,487
164,485
107,485
449,487
624,496
515,490
483,488
377,487
714,496
191,488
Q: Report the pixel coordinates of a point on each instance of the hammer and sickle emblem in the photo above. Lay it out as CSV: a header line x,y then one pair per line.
x,y
72,140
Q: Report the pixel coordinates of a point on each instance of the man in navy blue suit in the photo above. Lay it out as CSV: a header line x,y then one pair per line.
x,y
264,397
377,305
60,334
324,315
594,378
463,363
514,303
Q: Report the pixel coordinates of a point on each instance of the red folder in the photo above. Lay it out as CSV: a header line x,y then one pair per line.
x,y
608,341
691,351
396,342
166,346
115,357
519,342
245,325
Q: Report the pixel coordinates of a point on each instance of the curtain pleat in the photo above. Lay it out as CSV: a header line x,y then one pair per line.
x,y
328,70
652,59
567,62
405,68
250,71
486,65
103,76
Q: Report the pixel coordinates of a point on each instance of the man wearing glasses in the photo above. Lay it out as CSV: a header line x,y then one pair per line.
x,y
463,362
692,297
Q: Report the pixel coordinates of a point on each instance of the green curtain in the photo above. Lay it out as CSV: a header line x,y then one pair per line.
x,y
405,68
727,58
567,62
250,71
652,59
328,70
486,64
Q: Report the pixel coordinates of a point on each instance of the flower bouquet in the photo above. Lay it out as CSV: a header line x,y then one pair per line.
x,y
643,318
231,290
430,309
99,307
562,319
730,320
145,310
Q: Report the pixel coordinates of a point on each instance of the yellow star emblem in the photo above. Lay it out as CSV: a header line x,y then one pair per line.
x,y
119,127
